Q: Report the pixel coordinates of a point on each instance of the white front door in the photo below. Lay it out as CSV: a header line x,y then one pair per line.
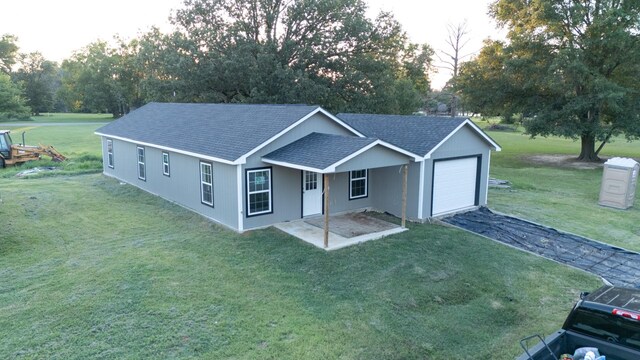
x,y
311,193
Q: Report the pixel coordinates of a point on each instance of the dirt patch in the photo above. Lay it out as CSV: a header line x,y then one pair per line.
x,y
564,161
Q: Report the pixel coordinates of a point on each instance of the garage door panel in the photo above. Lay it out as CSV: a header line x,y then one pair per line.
x,y
454,185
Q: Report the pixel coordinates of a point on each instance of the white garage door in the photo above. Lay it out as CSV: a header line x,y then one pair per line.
x,y
454,185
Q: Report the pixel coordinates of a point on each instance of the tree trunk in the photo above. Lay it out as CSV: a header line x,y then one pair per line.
x,y
588,149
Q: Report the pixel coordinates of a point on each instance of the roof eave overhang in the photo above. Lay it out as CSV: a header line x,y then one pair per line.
x,y
184,152
243,158
494,145
332,168
297,166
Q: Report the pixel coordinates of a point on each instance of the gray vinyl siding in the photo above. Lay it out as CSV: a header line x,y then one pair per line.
x,y
465,142
317,123
377,156
286,197
339,194
387,190
384,183
183,185
286,182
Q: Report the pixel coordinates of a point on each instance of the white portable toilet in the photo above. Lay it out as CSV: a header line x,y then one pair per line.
x,y
619,180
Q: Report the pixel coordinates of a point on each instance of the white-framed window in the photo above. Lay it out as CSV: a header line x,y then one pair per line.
x,y
110,153
166,169
206,184
358,184
259,199
142,169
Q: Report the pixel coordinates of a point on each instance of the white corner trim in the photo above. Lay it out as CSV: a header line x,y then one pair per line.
x,y
474,127
156,146
240,212
421,191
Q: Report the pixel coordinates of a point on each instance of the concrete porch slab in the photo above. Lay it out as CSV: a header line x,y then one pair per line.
x,y
344,230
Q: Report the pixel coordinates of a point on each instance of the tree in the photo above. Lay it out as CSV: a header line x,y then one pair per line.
x,y
571,67
12,104
271,51
8,52
99,78
483,82
452,57
39,78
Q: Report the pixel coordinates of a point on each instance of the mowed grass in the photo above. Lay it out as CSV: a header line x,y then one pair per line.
x,y
65,118
91,268
77,142
95,269
559,195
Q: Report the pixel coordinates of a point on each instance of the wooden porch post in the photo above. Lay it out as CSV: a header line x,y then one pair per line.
x,y
326,210
405,171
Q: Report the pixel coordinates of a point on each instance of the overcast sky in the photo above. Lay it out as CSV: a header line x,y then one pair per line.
x,y
56,28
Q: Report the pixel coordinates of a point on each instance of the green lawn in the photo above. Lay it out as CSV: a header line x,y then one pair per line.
x,y
95,269
65,118
77,142
561,196
90,268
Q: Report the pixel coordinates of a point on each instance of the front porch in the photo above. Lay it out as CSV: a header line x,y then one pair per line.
x,y
346,229
323,157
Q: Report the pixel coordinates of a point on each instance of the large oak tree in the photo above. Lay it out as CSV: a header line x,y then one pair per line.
x,y
273,51
570,66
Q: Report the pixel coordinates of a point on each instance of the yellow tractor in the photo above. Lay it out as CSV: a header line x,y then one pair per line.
x,y
11,154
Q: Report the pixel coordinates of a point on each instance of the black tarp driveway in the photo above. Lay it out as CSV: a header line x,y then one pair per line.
x,y
618,266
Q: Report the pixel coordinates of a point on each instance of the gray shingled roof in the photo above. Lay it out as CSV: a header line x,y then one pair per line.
x,y
318,150
225,131
417,134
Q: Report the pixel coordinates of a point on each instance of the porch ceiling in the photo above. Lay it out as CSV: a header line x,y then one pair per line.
x,y
327,153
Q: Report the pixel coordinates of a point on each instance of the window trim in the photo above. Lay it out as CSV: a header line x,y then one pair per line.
x,y
203,183
110,153
166,164
143,162
269,191
366,184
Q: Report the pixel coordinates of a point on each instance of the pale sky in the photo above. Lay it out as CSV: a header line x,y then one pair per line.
x,y
56,28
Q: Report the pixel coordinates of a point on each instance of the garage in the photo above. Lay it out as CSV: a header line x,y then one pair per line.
x,y
455,184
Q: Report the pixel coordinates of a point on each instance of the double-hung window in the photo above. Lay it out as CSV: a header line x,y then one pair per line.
x,y
166,170
142,170
259,192
358,184
206,184
110,153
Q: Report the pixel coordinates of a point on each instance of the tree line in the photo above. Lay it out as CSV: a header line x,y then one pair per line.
x,y
325,52
566,68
